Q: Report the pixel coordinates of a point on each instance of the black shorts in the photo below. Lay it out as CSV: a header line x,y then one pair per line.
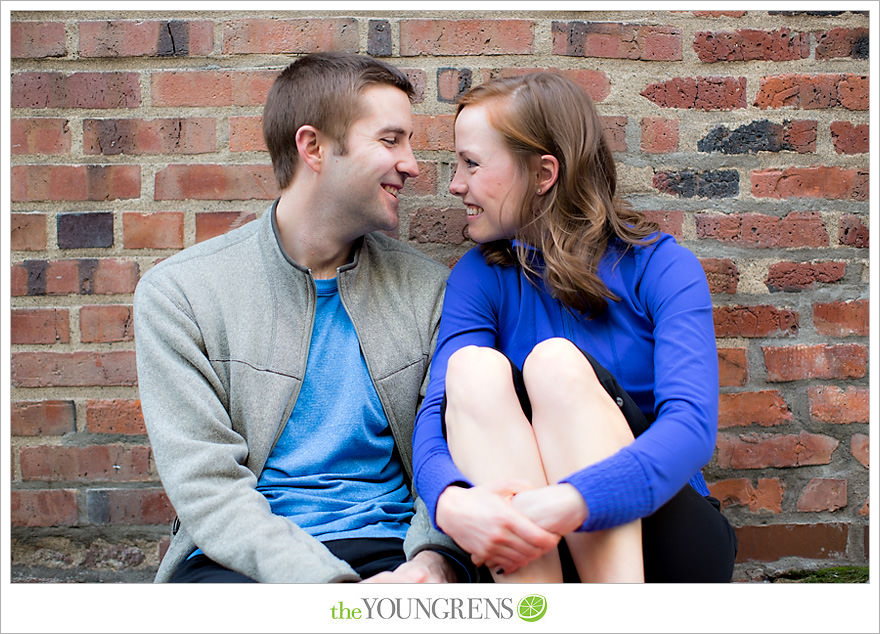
x,y
685,540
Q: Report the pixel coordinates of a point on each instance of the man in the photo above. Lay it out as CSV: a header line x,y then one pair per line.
x,y
281,365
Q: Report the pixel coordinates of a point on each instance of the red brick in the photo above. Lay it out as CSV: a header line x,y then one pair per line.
x,y
246,134
811,182
466,37
721,273
73,369
452,83
776,541
700,93
800,135
128,507
595,83
865,511
433,132
42,418
116,416
797,229
794,363
796,276
763,450
62,277
108,137
842,42
40,325
812,92
741,409
852,232
210,88
18,280
659,135
751,44
740,492
426,183
733,367
31,183
822,494
152,231
443,226
94,463
111,277
28,232
290,36
853,92
40,136
858,447
849,138
148,38
754,321
77,90
40,507
216,182
37,39
105,324
614,131
617,41
832,404
841,319
671,222
215,223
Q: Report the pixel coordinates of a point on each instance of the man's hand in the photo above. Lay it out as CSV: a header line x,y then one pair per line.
x,y
426,567
484,522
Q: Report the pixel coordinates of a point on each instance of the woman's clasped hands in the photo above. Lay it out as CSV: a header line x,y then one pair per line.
x,y
507,525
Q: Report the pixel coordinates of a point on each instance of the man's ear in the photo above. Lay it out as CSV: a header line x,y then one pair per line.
x,y
310,146
548,172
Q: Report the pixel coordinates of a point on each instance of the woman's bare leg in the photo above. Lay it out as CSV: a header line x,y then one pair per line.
x,y
490,438
577,424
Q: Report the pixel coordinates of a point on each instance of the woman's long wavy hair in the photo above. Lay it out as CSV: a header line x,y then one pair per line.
x,y
544,113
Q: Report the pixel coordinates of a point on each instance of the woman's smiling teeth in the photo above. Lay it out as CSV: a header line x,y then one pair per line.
x,y
473,210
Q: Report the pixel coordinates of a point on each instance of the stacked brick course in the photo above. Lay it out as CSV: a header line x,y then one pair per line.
x,y
744,134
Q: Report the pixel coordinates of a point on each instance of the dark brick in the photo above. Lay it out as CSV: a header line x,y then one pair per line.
x,y
85,230
769,543
173,39
758,136
687,183
36,276
853,232
379,38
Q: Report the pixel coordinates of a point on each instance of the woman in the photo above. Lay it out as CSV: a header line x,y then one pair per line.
x,y
574,387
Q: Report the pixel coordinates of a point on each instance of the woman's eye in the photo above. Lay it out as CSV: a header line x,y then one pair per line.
x,y
470,163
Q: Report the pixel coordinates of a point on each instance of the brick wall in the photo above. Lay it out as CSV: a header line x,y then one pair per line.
x,y
744,134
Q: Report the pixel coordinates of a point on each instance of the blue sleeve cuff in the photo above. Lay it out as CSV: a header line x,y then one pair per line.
x,y
616,491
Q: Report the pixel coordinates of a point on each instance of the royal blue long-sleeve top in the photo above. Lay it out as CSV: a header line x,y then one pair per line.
x,y
658,341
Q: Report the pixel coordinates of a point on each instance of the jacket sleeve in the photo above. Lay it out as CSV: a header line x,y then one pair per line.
x,y
201,458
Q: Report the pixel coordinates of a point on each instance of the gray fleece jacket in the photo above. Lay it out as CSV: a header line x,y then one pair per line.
x,y
222,333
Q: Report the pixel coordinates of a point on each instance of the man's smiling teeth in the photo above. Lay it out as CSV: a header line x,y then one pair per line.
x,y
473,210
391,190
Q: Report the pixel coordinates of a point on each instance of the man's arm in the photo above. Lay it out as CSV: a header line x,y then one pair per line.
x,y
201,458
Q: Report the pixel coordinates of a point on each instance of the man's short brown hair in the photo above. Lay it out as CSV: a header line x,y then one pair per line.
x,y
322,90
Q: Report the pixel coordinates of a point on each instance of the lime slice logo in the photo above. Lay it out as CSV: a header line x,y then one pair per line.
x,y
532,608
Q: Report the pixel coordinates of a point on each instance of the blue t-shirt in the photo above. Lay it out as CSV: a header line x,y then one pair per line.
x,y
334,471
658,341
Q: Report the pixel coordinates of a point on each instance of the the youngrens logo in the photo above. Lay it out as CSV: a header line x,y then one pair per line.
x,y
530,608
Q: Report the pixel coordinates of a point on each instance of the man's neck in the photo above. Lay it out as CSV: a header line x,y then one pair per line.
x,y
308,237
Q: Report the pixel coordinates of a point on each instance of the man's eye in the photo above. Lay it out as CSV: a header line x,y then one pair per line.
x,y
389,141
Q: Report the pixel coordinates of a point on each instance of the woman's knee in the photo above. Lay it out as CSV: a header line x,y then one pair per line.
x,y
475,372
556,366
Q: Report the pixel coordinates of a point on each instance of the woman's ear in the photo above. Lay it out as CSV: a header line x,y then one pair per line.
x,y
548,172
310,147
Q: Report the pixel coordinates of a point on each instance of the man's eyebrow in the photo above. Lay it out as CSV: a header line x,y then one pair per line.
x,y
394,130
